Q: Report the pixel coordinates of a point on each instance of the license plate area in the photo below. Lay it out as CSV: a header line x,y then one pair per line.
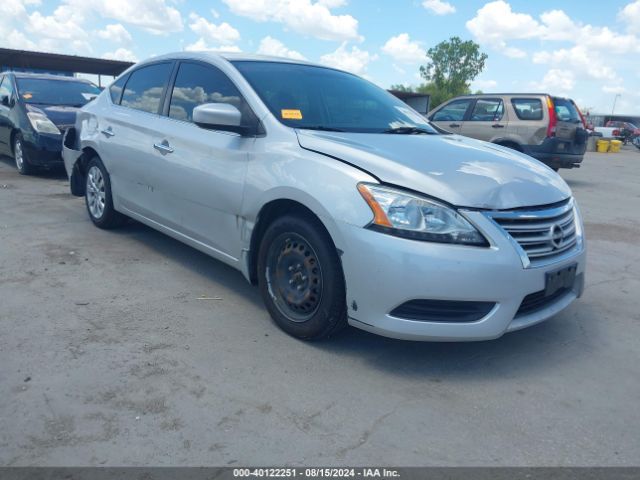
x,y
563,278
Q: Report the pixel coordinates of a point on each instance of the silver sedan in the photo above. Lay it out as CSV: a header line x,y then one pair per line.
x,y
340,202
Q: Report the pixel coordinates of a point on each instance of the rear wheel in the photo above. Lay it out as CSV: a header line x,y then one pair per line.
x,y
98,197
20,157
301,279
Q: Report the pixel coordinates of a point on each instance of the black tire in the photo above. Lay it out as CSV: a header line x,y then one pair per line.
x,y
301,279
20,157
98,190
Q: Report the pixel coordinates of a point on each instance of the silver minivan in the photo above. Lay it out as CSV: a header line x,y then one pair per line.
x,y
342,203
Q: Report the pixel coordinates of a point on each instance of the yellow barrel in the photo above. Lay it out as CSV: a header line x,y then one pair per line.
x,y
602,146
615,146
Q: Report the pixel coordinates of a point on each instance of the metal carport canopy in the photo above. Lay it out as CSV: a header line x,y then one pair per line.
x,y
57,62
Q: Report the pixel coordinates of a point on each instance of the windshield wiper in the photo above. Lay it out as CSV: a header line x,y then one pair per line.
x,y
322,128
409,131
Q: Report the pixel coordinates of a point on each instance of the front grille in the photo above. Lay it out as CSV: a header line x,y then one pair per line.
x,y
542,233
538,300
442,310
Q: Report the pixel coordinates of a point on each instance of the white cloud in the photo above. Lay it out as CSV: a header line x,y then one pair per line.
x,y
301,16
121,54
617,89
201,45
556,82
333,3
274,47
115,33
630,15
220,34
484,85
403,49
439,7
154,16
513,52
495,22
354,60
579,59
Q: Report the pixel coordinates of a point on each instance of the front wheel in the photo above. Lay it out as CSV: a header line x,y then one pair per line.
x,y
301,279
20,157
98,197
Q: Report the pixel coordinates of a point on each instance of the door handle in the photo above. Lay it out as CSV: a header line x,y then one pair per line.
x,y
163,147
107,132
454,125
497,125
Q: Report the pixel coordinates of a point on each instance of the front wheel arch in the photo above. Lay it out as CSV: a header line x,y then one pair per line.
x,y
267,215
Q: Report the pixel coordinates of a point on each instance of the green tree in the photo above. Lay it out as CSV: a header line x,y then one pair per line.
x,y
452,65
401,88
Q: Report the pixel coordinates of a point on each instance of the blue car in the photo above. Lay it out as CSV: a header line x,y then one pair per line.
x,y
35,111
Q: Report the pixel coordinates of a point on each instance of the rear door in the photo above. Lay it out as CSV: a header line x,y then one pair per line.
x,y
452,115
487,121
127,137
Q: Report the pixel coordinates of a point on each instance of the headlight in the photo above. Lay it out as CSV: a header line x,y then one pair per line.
x,y
42,124
411,216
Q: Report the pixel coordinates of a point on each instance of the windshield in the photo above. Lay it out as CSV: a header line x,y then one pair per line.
x,y
56,92
305,96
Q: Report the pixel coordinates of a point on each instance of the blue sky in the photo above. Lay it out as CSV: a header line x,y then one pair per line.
x,y
585,49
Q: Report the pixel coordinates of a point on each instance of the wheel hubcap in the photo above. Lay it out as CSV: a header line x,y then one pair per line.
x,y
95,192
294,277
18,154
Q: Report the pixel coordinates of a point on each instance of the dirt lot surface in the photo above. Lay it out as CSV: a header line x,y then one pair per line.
x,y
109,357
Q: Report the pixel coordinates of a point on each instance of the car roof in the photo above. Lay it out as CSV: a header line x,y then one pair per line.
x,y
228,56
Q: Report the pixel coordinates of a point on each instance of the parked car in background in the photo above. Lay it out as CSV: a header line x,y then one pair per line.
x,y
341,202
625,131
550,129
35,110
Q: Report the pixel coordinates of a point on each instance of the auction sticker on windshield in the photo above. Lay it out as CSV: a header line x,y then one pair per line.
x,y
291,114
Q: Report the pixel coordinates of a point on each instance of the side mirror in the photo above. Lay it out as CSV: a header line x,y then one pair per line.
x,y
219,116
5,100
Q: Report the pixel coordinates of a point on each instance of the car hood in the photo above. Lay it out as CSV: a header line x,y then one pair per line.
x,y
60,115
459,170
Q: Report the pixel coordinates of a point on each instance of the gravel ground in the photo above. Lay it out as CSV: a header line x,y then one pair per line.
x,y
109,357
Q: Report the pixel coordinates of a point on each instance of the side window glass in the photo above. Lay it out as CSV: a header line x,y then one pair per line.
x,y
6,88
527,108
144,88
115,90
487,110
198,84
452,112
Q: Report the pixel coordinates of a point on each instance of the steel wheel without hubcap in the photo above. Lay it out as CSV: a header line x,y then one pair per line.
x,y
96,196
294,277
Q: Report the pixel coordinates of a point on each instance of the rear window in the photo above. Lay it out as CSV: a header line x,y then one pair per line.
x,y
44,91
566,111
527,108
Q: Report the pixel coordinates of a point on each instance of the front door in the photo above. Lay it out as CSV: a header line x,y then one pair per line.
x,y
6,90
200,173
451,116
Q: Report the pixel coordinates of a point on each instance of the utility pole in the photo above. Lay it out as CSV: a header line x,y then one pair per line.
x,y
614,103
